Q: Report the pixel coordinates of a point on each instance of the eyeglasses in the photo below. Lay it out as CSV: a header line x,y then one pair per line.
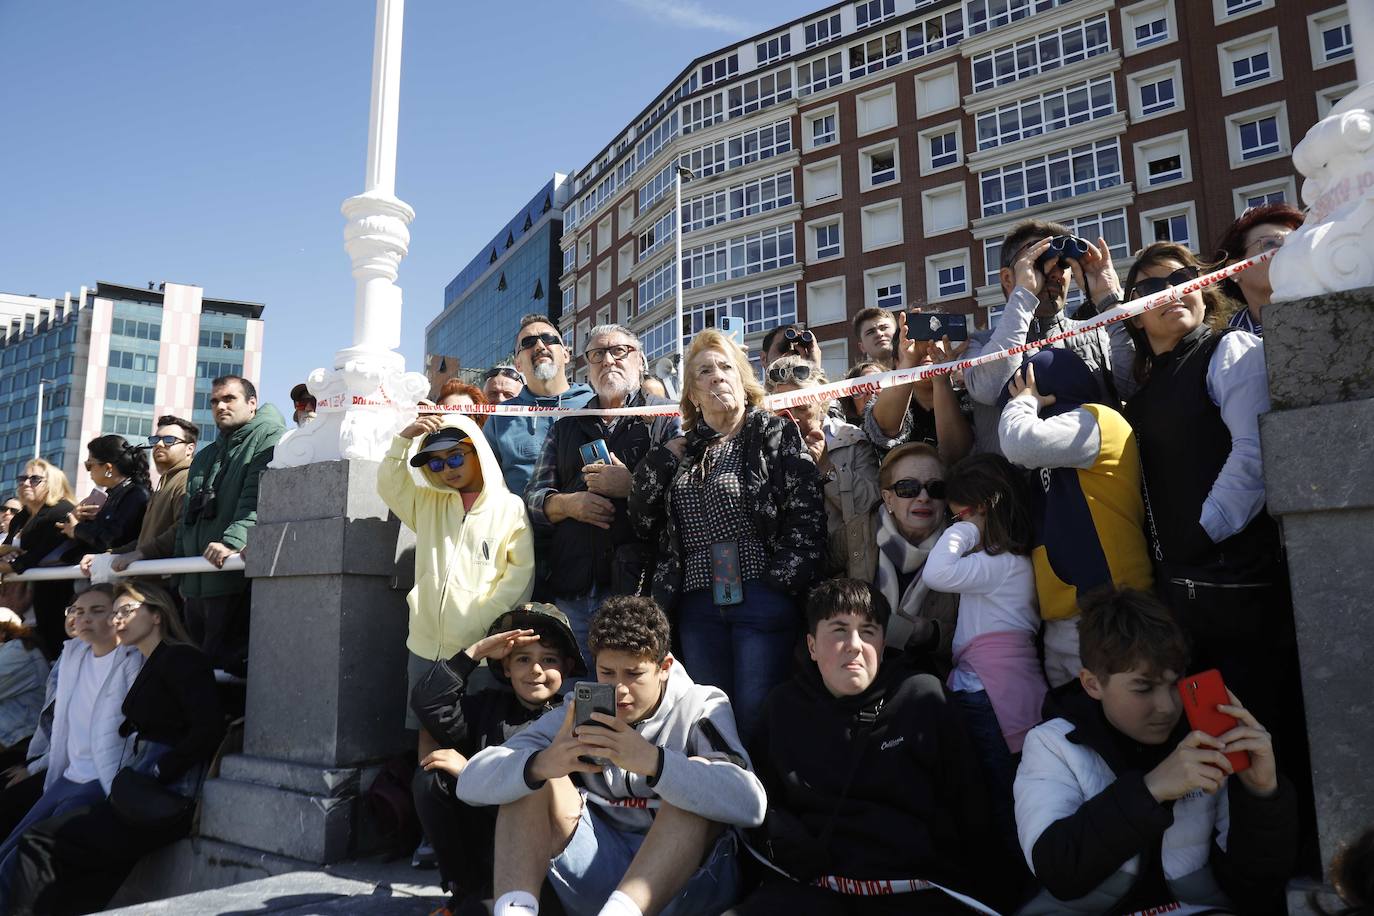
x,y
1268,243
1151,285
597,355
76,612
32,480
12,510
547,339
910,488
779,374
90,464
454,461
509,372
127,610
169,441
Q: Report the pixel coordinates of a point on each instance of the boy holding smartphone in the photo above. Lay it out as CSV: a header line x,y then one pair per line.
x,y
648,832
1120,808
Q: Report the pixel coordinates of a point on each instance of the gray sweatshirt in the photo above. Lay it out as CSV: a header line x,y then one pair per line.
x,y
704,771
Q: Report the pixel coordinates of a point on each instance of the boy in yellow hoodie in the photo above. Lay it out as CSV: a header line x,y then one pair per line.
x,y
474,554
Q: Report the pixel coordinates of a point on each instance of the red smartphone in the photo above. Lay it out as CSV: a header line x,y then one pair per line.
x,y
1202,693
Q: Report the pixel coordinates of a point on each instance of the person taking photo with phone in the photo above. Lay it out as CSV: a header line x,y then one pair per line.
x,y
1122,808
578,494
647,830
929,410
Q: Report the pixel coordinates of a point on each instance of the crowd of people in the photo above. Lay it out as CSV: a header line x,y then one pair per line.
x,y
924,649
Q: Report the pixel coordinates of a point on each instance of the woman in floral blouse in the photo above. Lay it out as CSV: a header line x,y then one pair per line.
x,y
737,509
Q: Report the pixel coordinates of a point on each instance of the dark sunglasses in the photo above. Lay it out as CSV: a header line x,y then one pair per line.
x,y
305,405
454,461
779,374
910,488
509,372
32,480
1151,285
12,510
547,339
154,441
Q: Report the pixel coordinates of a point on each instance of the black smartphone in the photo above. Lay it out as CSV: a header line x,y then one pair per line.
x,y
595,452
590,697
935,325
727,584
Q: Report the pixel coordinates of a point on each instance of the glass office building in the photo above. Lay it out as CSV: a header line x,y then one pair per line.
x,y
514,274
112,360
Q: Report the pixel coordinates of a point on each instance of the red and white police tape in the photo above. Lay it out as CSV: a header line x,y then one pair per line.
x,y
868,384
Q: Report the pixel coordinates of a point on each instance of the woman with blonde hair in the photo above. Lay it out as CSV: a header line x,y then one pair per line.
x,y
173,723
36,538
737,509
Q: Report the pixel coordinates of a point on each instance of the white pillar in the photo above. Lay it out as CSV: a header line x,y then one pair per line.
x,y
367,395
1334,249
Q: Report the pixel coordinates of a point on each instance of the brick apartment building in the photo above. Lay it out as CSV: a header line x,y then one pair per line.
x,y
876,153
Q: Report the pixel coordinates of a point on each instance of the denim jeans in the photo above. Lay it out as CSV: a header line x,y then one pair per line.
x,y
744,649
60,797
996,761
579,612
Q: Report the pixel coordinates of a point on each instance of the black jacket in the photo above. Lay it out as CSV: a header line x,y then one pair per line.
x,y
575,555
42,537
788,507
468,722
119,519
916,806
174,701
1079,852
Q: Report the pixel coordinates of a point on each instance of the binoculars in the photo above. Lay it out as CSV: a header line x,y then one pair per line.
x,y
202,503
1063,248
792,336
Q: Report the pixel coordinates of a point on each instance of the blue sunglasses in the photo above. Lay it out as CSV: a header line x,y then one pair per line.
x,y
454,461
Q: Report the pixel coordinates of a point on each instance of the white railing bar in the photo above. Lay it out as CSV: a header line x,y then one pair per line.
x,y
171,567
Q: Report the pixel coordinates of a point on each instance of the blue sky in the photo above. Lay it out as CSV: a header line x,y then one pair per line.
x,y
212,143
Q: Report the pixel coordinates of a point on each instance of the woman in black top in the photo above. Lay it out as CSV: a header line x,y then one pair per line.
x,y
122,470
75,862
35,536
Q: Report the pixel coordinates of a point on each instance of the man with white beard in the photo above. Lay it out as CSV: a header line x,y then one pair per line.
x,y
543,359
577,496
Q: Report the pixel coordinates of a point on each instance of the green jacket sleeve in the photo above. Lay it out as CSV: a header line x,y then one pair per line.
x,y
246,510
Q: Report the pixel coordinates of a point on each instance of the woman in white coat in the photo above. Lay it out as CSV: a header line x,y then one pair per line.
x,y
86,749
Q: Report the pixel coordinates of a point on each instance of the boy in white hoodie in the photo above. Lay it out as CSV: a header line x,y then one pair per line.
x,y
474,554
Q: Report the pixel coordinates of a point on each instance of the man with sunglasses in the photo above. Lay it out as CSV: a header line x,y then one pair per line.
x,y
8,511
173,444
542,360
303,405
1034,279
589,550
501,383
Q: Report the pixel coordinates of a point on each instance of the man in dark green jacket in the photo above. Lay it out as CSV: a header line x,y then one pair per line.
x,y
221,506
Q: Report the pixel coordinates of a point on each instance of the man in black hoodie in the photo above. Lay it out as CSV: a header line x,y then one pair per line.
x,y
874,800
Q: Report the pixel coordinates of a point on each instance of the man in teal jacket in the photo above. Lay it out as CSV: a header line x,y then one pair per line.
x,y
221,506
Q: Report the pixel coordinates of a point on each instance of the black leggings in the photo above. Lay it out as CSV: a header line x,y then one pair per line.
x,y
462,835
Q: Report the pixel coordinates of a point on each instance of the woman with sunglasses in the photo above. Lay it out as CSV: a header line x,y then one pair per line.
x,y
172,725
1217,552
36,538
737,511
913,516
474,551
1258,230
86,749
122,469
848,466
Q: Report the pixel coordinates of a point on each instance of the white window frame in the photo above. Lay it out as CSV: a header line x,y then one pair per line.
x,y
1137,81
860,100
625,261
945,259
584,292
810,117
812,255
625,215
604,236
1320,22
815,320
884,275
1288,186
584,250
1157,147
866,165
1220,14
923,79
603,316
812,168
1246,46
1277,110
868,212
625,308
1147,218
928,197
834,28
604,278
1332,96
1138,14
923,141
